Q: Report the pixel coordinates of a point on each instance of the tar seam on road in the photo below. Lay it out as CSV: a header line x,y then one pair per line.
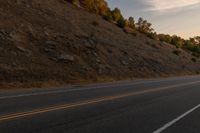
x,y
169,124
87,102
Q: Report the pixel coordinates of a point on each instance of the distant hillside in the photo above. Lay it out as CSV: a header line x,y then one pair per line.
x,y
51,42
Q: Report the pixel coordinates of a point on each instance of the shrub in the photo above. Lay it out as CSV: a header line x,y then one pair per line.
x,y
195,54
152,35
144,26
194,60
76,2
177,52
95,23
177,41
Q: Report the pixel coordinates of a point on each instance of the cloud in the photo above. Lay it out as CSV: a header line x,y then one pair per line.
x,y
163,5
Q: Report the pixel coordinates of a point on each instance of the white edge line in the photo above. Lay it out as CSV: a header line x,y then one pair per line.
x,y
169,124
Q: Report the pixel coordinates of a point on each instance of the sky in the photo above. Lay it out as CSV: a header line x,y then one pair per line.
x,y
180,17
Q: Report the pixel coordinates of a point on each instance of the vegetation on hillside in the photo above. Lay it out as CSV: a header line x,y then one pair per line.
x,y
101,8
53,43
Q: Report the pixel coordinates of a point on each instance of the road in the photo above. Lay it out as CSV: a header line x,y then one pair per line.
x,y
170,105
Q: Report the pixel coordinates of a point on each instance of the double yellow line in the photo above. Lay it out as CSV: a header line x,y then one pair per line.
x,y
87,102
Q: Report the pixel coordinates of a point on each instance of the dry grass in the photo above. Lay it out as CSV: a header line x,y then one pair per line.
x,y
52,43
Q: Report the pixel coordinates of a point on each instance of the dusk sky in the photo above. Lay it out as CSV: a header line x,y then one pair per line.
x,y
181,17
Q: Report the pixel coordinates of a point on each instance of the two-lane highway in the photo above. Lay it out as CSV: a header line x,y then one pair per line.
x,y
170,105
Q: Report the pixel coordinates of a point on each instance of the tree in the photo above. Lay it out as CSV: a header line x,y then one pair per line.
x,y
143,26
108,15
193,44
153,35
99,7
116,14
197,40
165,38
131,23
102,7
126,23
121,22
178,41
88,5
192,41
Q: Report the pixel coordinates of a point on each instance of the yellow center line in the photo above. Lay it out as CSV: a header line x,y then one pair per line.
x,y
87,102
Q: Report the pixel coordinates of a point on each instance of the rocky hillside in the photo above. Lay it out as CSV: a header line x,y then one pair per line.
x,y
51,42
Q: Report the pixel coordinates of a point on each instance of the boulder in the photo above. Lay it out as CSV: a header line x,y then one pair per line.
x,y
66,57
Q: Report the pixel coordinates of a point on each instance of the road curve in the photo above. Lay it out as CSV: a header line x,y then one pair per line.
x,y
169,105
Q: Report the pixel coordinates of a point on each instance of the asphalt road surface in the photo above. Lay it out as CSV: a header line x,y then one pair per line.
x,y
170,105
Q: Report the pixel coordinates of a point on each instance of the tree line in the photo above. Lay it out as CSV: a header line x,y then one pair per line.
x,y
100,7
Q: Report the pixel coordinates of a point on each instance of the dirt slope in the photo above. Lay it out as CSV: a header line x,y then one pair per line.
x,y
50,42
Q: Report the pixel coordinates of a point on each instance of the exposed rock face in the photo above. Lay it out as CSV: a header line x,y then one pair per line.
x,y
65,57
52,41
